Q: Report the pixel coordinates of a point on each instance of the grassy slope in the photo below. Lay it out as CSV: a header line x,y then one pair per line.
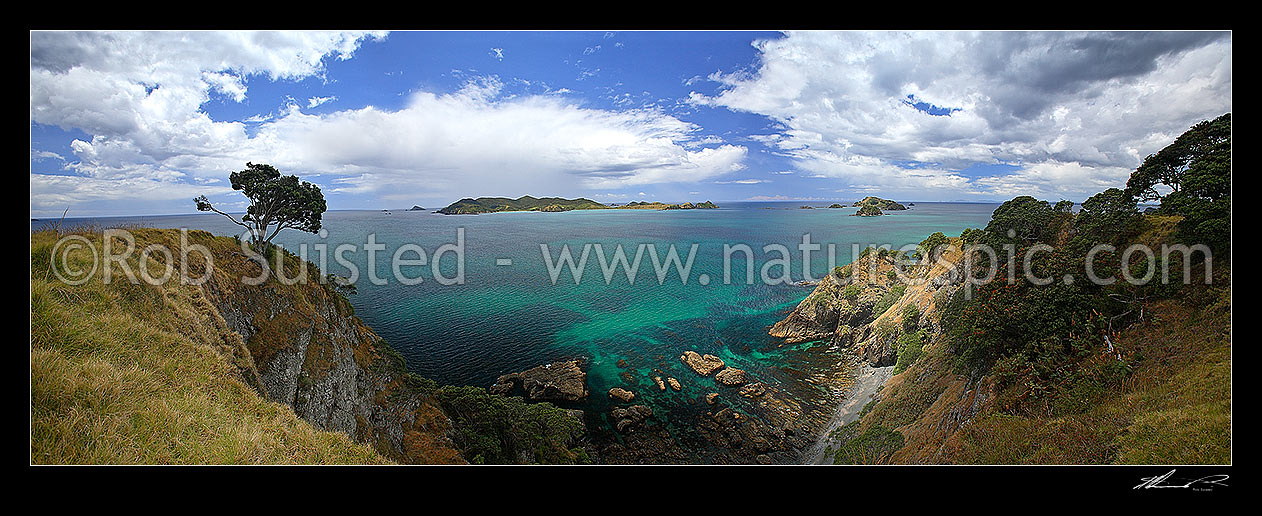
x,y
1174,409
125,373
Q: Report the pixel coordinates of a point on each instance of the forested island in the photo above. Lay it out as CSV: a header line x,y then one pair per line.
x,y
469,206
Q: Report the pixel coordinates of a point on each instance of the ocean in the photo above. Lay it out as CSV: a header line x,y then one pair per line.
x,y
509,315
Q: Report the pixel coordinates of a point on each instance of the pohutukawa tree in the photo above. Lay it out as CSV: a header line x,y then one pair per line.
x,y
276,203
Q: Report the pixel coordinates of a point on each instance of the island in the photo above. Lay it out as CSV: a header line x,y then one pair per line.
x,y
884,204
468,206
868,210
416,208
835,205
656,205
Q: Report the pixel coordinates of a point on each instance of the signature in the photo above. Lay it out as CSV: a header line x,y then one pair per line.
x,y
1205,483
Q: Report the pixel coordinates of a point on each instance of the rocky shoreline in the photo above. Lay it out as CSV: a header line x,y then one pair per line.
x,y
868,383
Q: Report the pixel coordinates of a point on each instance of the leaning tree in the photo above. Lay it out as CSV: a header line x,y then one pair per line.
x,y
276,202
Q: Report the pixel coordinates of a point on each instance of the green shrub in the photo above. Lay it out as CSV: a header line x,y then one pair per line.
x,y
928,245
910,348
889,299
873,446
911,317
494,429
851,291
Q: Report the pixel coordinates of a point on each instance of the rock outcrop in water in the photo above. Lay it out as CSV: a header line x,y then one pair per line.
x,y
621,394
558,381
731,377
703,365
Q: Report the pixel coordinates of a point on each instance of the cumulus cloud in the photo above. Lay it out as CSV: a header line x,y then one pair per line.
x,y
1073,109
139,96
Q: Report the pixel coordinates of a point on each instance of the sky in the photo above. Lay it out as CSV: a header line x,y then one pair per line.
x,y
140,123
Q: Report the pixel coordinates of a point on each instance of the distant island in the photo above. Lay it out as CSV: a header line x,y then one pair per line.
x,y
645,205
877,202
868,210
468,206
416,208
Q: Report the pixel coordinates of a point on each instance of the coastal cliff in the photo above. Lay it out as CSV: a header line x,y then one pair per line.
x,y
863,305
226,372
217,372
312,354
1156,391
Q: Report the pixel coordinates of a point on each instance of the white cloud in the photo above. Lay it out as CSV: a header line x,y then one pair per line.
x,y
143,113
1095,103
742,182
316,101
38,155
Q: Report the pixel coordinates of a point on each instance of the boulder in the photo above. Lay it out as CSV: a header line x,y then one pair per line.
x,y
674,384
621,394
558,381
710,398
661,386
703,365
731,377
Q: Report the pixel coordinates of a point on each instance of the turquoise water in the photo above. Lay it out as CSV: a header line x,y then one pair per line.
x,y
507,318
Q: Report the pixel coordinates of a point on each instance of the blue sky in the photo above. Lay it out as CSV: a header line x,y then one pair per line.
x,y
139,123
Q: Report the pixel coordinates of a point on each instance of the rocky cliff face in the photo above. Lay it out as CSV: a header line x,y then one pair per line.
x,y
860,305
313,354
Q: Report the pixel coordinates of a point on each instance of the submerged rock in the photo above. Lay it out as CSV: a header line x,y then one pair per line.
x,y
674,384
711,398
629,417
753,390
661,386
558,381
703,365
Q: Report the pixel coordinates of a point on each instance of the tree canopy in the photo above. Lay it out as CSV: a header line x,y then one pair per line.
x,y
1202,147
276,203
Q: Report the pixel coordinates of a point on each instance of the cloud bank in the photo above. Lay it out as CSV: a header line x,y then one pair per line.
x,y
140,96
903,112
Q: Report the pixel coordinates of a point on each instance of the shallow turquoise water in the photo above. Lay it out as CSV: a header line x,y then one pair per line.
x,y
510,318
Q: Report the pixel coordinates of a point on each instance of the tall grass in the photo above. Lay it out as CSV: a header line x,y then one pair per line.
x,y
140,374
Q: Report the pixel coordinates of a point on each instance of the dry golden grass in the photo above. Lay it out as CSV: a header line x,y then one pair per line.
x,y
140,374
